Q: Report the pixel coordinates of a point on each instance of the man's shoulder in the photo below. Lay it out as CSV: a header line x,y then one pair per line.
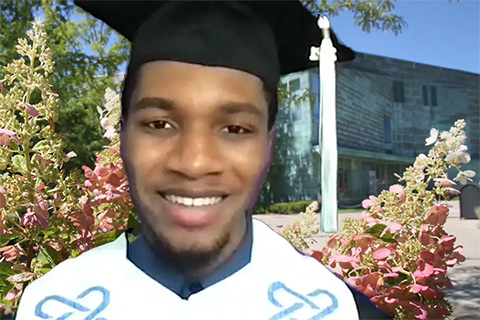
x,y
86,264
287,262
283,257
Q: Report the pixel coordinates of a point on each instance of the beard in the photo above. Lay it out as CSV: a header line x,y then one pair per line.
x,y
192,260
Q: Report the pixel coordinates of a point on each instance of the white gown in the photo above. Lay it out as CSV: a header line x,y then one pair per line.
x,y
103,284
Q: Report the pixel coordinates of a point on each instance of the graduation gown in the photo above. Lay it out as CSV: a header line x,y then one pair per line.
x,y
277,283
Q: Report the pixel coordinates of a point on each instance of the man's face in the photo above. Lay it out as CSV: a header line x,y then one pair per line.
x,y
195,146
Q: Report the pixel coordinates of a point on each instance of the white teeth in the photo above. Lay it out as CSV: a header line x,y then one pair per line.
x,y
193,202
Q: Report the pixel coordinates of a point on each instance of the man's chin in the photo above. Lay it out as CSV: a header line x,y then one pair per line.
x,y
188,257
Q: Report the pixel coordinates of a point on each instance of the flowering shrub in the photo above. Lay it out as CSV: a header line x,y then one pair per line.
x,y
299,233
47,216
41,221
107,185
398,253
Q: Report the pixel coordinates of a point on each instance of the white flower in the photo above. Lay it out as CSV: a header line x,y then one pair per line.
x,y
459,155
420,162
433,137
464,176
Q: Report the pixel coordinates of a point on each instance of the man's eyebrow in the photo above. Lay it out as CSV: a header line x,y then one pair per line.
x,y
228,107
239,107
154,102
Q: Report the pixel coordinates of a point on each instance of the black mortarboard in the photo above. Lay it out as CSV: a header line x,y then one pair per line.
x,y
295,30
264,38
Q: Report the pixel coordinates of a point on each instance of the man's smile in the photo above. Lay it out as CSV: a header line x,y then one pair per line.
x,y
192,202
195,212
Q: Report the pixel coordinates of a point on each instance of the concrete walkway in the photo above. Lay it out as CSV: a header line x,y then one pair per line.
x,y
465,296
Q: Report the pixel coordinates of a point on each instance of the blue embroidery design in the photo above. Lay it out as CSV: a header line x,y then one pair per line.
x,y
302,301
75,305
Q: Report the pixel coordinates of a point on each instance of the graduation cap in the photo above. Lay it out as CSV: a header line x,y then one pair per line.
x,y
264,38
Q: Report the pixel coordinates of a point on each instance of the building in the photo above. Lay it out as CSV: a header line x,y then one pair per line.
x,y
385,110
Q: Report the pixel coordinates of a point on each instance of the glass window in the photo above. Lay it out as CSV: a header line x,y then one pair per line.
x,y
387,128
294,85
398,91
433,93
425,95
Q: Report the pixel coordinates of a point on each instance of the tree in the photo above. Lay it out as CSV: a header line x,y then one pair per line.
x,y
87,56
369,14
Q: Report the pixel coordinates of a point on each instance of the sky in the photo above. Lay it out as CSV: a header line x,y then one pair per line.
x,y
439,32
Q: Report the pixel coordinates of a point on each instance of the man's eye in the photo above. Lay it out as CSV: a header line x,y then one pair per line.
x,y
159,124
237,130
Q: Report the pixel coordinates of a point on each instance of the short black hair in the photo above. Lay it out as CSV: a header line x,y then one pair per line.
x,y
131,80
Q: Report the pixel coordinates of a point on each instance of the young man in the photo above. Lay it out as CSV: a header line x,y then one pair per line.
x,y
198,111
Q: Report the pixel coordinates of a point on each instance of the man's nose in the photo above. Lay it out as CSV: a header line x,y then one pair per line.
x,y
196,155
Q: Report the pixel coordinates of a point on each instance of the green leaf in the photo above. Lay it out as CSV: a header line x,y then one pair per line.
x,y
5,286
103,238
7,237
14,145
6,270
50,254
375,230
75,253
54,191
387,237
38,183
19,162
42,144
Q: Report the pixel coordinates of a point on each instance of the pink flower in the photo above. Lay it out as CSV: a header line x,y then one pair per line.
x,y
381,253
453,191
374,280
444,182
6,136
427,256
38,217
457,256
363,241
31,110
398,189
371,201
112,149
3,201
13,252
424,291
394,227
90,174
437,215
419,310
425,271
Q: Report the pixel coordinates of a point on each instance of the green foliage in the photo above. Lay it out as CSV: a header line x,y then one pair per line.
x,y
369,14
283,207
87,55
